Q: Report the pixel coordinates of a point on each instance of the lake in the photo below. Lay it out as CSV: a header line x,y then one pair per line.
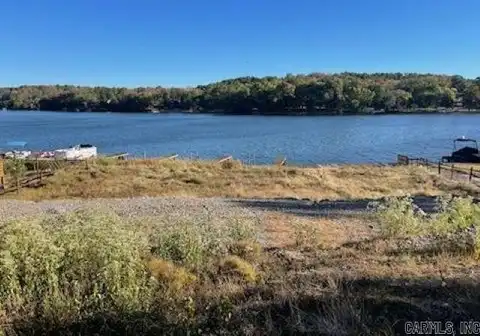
x,y
253,139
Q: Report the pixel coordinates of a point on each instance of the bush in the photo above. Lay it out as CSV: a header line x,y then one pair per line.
x,y
456,214
231,164
62,270
72,265
191,243
400,217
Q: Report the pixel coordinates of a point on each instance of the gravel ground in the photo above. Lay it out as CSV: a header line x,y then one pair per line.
x,y
133,207
194,206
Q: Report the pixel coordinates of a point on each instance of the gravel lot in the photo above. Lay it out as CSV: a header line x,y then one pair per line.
x,y
134,207
192,207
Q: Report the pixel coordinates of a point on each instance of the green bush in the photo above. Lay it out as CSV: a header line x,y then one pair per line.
x,y
191,243
62,269
401,217
455,214
72,265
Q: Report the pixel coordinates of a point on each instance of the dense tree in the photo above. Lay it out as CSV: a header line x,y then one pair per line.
x,y
471,97
305,94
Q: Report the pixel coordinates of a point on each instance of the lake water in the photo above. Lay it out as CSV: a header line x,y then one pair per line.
x,y
254,139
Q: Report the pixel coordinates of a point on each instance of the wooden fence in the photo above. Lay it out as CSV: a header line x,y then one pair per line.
x,y
37,170
453,170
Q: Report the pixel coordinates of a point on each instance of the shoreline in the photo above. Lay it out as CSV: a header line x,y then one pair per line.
x,y
270,114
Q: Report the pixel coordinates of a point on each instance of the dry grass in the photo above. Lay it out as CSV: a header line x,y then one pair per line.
x,y
236,265
112,178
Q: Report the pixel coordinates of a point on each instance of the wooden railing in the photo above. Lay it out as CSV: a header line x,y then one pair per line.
x,y
465,169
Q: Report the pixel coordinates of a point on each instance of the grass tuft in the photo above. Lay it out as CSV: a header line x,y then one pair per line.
x,y
173,277
238,266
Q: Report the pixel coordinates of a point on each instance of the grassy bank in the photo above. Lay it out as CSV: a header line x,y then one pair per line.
x,y
111,178
94,272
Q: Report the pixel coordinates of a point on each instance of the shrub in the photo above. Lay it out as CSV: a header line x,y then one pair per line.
x,y
71,266
17,169
181,244
455,214
104,161
400,217
28,266
191,243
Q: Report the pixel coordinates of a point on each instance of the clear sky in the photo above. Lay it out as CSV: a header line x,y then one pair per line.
x,y
190,42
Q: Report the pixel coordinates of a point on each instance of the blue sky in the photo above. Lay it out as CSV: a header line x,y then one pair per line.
x,y
190,42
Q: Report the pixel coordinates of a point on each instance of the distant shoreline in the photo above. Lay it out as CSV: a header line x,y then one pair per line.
x,y
291,95
277,114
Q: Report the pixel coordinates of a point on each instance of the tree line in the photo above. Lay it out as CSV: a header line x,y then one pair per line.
x,y
305,94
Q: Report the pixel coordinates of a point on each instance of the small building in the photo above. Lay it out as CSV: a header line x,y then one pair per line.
x,y
78,152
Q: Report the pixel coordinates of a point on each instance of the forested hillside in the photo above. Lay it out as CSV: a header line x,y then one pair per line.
x,y
308,94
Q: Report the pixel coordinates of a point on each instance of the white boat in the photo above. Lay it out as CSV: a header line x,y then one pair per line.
x,y
18,154
78,152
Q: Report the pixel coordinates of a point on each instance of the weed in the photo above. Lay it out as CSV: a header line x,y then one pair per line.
x,y
103,161
249,250
306,234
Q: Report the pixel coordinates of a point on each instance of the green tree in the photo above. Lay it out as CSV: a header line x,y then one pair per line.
x,y
313,92
471,97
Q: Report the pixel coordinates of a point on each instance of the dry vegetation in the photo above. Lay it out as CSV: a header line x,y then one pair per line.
x,y
93,272
111,178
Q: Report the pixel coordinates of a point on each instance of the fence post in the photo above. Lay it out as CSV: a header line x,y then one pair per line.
x,y
37,168
452,168
439,168
471,174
